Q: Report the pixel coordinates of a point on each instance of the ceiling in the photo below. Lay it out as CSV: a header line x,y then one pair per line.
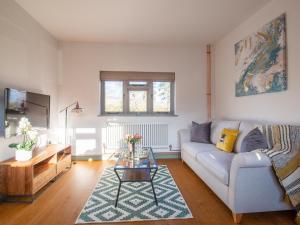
x,y
141,21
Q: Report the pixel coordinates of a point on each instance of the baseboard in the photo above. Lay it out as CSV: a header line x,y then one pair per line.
x,y
167,155
86,157
158,155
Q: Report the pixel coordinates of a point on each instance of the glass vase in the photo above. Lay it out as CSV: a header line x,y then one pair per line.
x,y
131,147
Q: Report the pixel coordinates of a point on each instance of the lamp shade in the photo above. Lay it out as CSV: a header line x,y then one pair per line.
x,y
77,109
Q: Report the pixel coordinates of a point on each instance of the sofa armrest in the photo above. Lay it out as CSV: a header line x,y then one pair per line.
x,y
249,160
184,136
253,186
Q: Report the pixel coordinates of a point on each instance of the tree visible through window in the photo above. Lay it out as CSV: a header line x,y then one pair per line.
x,y
161,96
113,96
137,101
134,95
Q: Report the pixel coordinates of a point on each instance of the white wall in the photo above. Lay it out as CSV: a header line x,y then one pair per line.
x,y
275,107
80,80
29,60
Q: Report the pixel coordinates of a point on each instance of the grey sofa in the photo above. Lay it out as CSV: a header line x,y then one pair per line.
x,y
245,182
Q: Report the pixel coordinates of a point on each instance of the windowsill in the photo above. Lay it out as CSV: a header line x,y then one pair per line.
x,y
136,115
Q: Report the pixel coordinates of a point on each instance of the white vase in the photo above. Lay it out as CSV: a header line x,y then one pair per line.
x,y
23,155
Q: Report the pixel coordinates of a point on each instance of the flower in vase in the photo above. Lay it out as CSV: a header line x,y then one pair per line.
x,y
133,138
29,136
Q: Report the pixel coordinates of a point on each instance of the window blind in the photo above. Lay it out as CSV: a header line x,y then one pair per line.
x,y
137,76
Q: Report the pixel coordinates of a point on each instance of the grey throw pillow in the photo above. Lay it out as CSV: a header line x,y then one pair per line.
x,y
200,132
255,139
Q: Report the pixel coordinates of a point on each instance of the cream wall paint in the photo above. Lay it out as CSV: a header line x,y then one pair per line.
x,y
29,60
281,107
80,80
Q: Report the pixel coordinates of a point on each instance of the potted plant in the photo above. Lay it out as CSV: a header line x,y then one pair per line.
x,y
29,140
131,140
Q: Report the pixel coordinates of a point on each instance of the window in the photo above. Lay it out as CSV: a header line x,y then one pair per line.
x,y
161,96
137,101
113,96
137,93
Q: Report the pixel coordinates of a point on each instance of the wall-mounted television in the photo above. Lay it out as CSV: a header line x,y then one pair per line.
x,y
18,104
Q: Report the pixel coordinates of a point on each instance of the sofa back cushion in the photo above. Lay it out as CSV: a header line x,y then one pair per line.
x,y
244,128
200,132
218,126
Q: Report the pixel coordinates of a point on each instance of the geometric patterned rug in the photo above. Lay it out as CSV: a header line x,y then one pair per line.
x,y
136,201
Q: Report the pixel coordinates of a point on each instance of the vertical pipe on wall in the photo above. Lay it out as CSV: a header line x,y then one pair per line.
x,y
208,78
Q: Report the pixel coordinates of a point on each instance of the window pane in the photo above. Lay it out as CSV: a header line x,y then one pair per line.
x,y
137,83
113,96
138,101
161,96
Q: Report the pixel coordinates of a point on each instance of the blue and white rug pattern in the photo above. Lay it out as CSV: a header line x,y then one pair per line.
x,y
136,201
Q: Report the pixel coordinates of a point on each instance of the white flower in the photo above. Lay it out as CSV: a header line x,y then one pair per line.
x,y
24,126
24,122
19,131
29,135
32,134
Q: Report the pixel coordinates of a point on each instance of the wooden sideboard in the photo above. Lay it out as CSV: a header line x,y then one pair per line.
x,y
24,179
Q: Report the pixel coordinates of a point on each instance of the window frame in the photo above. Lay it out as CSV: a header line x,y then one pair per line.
x,y
129,88
148,88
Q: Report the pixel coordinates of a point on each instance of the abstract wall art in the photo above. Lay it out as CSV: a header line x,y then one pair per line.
x,y
260,60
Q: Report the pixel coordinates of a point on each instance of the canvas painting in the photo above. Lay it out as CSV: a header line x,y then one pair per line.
x,y
260,60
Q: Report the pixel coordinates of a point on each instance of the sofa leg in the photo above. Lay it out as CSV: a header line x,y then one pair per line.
x,y
237,217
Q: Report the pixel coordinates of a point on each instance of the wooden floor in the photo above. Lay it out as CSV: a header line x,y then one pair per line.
x,y
61,202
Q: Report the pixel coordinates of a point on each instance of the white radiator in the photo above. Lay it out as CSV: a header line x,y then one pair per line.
x,y
154,135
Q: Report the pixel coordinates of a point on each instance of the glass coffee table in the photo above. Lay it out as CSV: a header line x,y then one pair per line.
x,y
138,167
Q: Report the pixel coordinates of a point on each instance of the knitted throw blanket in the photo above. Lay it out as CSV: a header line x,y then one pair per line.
x,y
284,151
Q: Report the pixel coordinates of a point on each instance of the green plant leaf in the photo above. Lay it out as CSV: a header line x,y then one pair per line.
x,y
13,145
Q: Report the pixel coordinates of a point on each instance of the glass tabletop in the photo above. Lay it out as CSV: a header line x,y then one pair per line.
x,y
143,158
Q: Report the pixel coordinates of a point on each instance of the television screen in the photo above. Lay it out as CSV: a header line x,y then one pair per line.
x,y
15,101
18,104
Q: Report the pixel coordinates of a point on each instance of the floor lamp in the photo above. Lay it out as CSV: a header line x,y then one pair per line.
x,y
76,110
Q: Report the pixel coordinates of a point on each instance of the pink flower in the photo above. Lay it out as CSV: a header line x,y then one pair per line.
x,y
137,136
133,138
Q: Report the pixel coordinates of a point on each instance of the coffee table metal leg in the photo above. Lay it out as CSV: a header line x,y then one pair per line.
x,y
154,193
153,186
118,194
119,188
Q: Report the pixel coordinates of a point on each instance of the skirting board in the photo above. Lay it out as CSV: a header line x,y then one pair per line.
x,y
168,155
86,157
158,155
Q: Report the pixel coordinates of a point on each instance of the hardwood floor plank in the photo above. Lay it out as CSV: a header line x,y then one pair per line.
x,y
61,202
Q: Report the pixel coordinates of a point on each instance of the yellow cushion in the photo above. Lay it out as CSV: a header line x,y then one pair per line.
x,y
227,140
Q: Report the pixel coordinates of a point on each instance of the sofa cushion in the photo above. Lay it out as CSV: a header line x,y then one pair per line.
x,y
227,140
200,132
218,126
218,163
244,128
194,148
255,139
